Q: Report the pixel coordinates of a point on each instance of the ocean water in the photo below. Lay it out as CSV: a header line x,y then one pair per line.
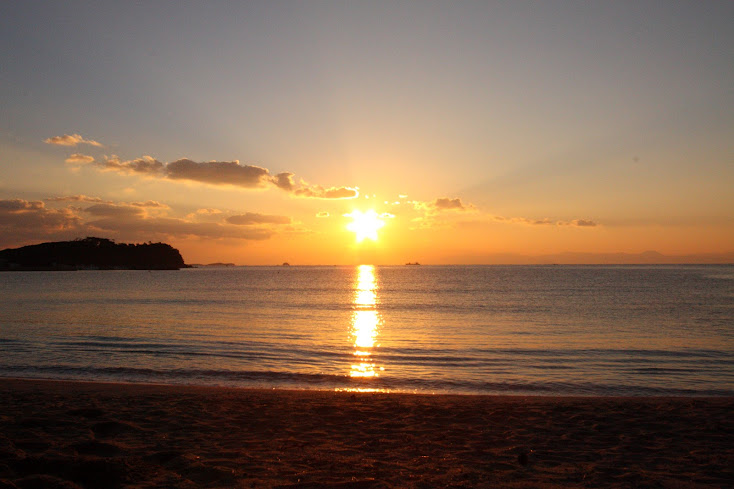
x,y
544,330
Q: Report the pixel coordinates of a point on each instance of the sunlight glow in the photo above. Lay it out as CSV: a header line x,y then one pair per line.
x,y
365,224
365,323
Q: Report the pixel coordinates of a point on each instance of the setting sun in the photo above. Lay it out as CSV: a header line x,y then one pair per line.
x,y
365,224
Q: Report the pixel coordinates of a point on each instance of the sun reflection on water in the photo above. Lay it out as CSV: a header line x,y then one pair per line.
x,y
365,324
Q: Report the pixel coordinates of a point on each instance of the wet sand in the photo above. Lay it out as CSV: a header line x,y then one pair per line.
x,y
96,435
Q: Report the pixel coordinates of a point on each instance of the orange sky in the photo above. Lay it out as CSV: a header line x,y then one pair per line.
x,y
483,133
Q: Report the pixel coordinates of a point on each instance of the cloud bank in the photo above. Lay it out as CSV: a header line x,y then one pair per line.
x,y
23,222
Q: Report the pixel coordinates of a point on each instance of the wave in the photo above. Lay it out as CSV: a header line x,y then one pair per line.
x,y
259,378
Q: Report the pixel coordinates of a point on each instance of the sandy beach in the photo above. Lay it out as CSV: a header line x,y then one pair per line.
x,y
94,435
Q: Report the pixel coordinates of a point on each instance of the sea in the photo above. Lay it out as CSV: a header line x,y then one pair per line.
x,y
522,330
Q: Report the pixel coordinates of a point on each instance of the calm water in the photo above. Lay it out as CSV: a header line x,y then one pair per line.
x,y
588,330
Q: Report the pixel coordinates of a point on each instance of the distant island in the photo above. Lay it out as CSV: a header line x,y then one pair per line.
x,y
92,254
212,265
415,263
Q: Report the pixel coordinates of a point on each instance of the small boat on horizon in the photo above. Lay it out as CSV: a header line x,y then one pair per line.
x,y
413,264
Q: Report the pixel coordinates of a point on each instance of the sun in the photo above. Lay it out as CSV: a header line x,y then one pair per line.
x,y
365,224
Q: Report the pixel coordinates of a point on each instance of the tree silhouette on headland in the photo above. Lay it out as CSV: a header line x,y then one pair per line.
x,y
91,252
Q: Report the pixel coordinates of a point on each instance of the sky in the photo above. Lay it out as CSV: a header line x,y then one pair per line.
x,y
477,132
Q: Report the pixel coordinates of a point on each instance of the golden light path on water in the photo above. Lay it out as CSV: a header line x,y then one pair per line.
x,y
366,322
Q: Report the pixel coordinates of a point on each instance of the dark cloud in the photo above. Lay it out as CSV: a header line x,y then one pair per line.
x,y
251,218
20,205
23,221
218,173
284,181
223,173
71,140
444,203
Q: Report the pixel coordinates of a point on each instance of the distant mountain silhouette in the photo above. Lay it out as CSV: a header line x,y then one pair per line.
x,y
92,253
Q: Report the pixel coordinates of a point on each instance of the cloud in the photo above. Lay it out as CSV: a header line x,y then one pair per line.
x,y
20,205
146,165
546,221
442,204
583,223
221,173
251,218
150,204
135,226
22,221
445,203
322,214
284,181
113,210
319,192
75,198
97,200
218,173
71,140
78,158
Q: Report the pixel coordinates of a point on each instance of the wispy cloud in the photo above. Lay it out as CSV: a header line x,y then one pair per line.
x,y
114,210
546,221
86,198
136,226
448,212
252,218
78,158
71,140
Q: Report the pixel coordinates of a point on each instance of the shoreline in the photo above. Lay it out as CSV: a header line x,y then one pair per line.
x,y
70,434
639,392
368,390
